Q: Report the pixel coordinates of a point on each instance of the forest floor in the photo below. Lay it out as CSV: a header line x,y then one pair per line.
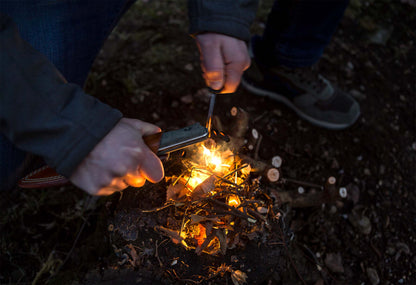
x,y
149,69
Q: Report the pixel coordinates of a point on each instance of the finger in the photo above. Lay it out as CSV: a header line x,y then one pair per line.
x,y
152,168
144,127
236,61
232,79
212,64
116,186
135,181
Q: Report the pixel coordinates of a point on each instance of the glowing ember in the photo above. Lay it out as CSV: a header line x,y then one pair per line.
x,y
201,235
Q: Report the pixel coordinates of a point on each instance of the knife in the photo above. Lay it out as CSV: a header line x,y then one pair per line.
x,y
160,143
208,124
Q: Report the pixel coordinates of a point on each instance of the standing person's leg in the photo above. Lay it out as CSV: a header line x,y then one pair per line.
x,y
295,36
297,32
70,34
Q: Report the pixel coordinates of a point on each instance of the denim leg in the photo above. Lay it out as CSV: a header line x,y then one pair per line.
x,y
297,31
70,34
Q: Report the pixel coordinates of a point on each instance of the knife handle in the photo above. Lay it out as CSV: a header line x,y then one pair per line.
x,y
153,141
46,176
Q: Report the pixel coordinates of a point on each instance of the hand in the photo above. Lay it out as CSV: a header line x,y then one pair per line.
x,y
223,60
120,159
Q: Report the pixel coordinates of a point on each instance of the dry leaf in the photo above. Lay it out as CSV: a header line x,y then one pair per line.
x,y
176,192
238,277
204,188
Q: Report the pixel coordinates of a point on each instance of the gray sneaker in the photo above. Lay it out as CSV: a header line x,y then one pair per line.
x,y
306,92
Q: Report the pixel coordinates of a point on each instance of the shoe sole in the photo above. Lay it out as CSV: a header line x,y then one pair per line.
x,y
284,100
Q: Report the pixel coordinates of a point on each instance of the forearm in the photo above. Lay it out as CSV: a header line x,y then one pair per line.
x,y
43,114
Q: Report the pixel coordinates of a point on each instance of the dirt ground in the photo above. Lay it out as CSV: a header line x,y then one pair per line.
x,y
149,70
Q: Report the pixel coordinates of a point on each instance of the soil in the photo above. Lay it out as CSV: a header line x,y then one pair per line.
x,y
149,70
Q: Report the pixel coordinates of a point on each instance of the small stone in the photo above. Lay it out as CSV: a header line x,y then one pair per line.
x,y
357,94
175,104
362,223
334,262
189,67
187,99
350,65
301,190
367,172
174,262
373,276
155,116
414,146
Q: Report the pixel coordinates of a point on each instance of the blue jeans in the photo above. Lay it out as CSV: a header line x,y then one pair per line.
x,y
297,31
70,34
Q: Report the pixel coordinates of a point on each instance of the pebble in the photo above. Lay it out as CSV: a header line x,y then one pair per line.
x,y
357,94
414,146
373,276
155,116
189,67
187,99
301,190
334,262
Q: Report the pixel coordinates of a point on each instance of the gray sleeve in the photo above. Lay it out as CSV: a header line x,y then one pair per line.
x,y
229,17
43,114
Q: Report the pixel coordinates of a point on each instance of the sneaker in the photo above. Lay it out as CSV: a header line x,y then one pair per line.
x,y
305,91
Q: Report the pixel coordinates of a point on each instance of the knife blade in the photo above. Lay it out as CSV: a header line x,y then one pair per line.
x,y
160,143
208,124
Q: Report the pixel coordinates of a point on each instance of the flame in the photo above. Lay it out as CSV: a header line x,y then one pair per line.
x,y
215,160
219,162
233,201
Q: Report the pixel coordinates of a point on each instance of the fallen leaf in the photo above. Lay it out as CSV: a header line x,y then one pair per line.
x,y
238,277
